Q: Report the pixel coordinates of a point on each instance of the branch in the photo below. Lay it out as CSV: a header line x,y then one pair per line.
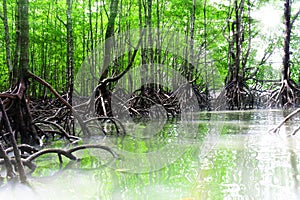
x,y
20,167
59,19
295,131
116,78
7,95
61,129
105,10
96,146
67,153
276,129
65,102
23,147
113,119
295,17
46,151
9,169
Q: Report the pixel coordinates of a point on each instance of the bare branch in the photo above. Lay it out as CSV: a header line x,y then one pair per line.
x,y
20,167
66,103
116,78
295,17
97,146
276,129
46,151
61,21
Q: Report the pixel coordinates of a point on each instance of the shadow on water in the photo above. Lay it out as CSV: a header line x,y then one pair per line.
x,y
247,162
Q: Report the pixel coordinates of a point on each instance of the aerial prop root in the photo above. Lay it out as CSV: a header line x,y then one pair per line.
x,y
60,152
289,88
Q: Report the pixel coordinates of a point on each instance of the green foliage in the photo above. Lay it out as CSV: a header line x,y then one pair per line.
x,y
48,46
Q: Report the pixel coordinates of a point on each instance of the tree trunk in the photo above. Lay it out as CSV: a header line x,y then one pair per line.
x,y
191,63
286,57
20,113
288,91
236,87
24,39
109,33
70,53
287,39
103,105
7,41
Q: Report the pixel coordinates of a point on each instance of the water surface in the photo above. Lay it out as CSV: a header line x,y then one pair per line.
x,y
243,161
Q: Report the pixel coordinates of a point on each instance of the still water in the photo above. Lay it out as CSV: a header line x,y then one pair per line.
x,y
232,155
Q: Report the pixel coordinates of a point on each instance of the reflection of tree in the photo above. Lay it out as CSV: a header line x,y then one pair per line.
x,y
295,172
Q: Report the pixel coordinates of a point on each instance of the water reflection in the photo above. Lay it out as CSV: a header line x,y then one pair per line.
x,y
252,164
248,162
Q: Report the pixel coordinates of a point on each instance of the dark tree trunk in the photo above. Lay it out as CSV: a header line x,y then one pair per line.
x,y
288,91
103,94
70,53
21,116
286,57
24,38
236,88
7,41
192,33
110,30
287,39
